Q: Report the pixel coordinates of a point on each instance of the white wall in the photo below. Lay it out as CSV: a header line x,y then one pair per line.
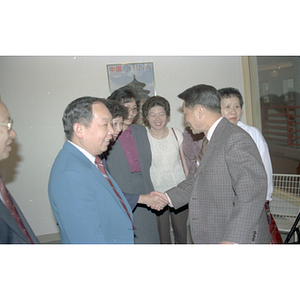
x,y
36,91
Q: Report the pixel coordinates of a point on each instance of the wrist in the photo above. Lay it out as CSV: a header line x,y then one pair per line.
x,y
141,199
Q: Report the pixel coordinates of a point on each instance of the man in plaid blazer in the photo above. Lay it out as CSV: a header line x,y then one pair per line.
x,y
227,193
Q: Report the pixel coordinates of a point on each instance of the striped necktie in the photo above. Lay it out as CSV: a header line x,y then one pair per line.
x,y
101,167
12,209
204,145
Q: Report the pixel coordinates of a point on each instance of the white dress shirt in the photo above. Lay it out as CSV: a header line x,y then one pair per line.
x,y
264,154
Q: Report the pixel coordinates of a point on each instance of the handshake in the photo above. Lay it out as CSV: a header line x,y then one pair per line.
x,y
155,200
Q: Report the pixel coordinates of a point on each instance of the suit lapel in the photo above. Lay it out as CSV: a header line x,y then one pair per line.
x,y
106,185
119,151
139,147
102,180
10,221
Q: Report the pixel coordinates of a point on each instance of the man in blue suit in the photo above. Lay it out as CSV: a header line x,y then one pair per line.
x,y
86,207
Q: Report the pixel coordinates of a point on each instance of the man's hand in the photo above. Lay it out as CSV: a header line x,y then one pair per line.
x,y
155,200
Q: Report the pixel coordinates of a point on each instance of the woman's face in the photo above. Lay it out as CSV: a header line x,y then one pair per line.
x,y
157,117
231,109
117,124
132,111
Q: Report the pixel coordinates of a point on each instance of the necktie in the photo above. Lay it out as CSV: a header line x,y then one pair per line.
x,y
12,209
101,167
204,145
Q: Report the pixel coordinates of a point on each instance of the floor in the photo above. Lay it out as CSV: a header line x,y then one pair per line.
x,y
57,241
189,238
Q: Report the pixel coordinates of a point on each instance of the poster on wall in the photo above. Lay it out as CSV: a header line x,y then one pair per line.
x,y
139,76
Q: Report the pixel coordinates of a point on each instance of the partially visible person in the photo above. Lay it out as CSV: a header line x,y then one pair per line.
x,y
87,203
226,203
168,166
14,228
119,114
129,162
191,146
231,108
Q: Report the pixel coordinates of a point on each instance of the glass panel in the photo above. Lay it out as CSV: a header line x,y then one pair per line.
x,y
279,95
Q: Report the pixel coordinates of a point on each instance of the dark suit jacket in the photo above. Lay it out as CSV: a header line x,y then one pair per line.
x,y
84,204
227,194
10,232
137,183
118,165
132,199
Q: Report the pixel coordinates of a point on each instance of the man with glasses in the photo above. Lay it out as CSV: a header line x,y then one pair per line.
x,y
14,229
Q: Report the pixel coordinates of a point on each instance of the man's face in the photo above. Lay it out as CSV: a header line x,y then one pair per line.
x,y
192,119
6,136
96,137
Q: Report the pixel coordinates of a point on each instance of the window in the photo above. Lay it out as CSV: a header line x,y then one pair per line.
x,y
275,108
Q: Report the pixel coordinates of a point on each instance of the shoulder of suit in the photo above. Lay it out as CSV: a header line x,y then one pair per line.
x,y
73,157
138,128
226,128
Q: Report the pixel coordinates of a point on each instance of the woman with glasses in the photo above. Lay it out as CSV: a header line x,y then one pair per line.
x,y
129,161
119,113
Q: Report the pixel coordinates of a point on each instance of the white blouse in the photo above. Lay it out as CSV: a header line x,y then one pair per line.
x,y
166,169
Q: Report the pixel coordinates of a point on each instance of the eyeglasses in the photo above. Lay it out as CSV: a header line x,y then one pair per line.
x,y
9,125
134,110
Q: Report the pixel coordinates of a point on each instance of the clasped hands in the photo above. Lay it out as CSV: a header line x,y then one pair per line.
x,y
154,200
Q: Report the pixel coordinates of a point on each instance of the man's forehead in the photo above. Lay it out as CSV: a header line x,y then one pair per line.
x,y
101,109
4,114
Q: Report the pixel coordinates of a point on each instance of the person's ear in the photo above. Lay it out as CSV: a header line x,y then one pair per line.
x,y
78,130
199,110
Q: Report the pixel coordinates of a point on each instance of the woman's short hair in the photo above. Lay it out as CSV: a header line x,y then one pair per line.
x,y
116,109
125,95
228,92
155,101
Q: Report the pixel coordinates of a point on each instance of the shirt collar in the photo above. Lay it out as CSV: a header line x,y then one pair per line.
x,y
84,152
212,129
127,130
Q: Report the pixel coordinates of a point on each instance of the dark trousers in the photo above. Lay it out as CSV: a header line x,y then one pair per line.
x,y
179,221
